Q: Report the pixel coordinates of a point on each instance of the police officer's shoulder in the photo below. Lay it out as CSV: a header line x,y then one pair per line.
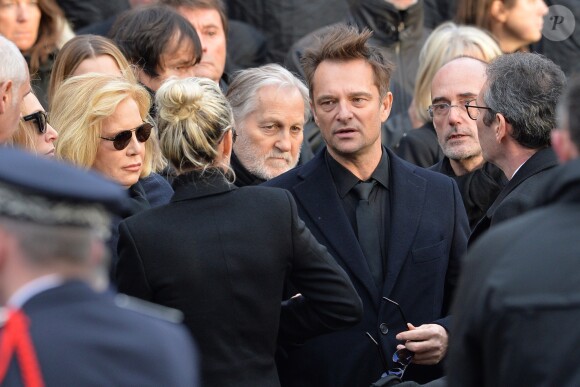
x,y
149,309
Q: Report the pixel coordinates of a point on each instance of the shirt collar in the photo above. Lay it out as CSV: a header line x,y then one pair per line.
x,y
345,180
32,288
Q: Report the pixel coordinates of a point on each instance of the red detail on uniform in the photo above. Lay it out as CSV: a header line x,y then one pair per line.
x,y
15,339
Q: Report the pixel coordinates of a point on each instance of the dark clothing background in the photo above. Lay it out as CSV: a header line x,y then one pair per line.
x,y
478,188
425,245
82,338
520,193
40,79
564,53
81,13
220,254
420,146
283,22
515,319
243,176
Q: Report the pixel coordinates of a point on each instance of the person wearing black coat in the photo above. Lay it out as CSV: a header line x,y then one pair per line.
x,y
221,254
517,309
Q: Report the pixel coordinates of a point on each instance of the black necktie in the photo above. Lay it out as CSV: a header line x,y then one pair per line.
x,y
368,232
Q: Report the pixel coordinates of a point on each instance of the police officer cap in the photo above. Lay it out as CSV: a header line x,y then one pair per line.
x,y
52,192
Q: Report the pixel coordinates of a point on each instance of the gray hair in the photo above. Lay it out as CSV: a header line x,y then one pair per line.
x,y
48,244
525,89
242,92
12,66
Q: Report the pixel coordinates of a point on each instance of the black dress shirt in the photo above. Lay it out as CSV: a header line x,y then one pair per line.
x,y
379,198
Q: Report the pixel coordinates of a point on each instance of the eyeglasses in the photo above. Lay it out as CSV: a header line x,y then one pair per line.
x,y
440,110
122,139
41,119
473,110
402,357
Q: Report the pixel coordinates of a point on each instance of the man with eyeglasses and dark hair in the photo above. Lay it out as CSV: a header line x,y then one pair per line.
x,y
515,113
518,303
456,84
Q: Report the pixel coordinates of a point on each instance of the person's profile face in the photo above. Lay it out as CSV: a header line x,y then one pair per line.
x,y
524,21
20,21
43,133
210,29
269,139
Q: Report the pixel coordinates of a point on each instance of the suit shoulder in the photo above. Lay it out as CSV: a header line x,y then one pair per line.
x,y
144,308
428,174
285,180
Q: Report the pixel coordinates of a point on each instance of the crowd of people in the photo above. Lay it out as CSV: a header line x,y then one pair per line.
x,y
194,194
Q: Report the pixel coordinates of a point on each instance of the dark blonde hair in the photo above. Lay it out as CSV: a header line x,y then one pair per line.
x,y
193,117
77,50
344,43
81,105
52,21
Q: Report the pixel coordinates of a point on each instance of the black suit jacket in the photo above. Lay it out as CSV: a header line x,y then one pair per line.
x,y
220,254
82,338
518,303
428,236
520,193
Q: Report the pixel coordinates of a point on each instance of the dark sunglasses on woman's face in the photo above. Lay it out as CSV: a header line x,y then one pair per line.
x,y
40,117
122,139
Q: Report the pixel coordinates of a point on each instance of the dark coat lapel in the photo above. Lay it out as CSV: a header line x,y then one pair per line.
x,y
541,160
318,196
408,196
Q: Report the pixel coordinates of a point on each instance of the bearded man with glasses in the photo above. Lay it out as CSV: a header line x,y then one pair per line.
x,y
454,86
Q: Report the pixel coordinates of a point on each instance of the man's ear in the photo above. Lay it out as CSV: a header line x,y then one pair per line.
x,y
501,127
5,95
313,111
386,104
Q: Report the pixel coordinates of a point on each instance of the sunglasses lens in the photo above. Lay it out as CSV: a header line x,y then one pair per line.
x,y
403,356
42,122
143,132
122,140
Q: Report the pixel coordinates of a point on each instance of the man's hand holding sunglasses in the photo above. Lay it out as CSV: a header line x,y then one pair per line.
x,y
427,341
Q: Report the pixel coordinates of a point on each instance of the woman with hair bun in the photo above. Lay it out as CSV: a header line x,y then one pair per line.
x,y
221,254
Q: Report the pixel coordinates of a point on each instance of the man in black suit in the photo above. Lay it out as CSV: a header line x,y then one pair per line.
x,y
406,248
515,112
518,304
57,330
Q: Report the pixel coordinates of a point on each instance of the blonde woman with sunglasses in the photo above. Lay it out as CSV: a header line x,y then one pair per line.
x,y
103,126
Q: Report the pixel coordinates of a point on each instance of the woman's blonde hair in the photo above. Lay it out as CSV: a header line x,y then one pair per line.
x,y
193,117
447,42
79,48
24,137
80,106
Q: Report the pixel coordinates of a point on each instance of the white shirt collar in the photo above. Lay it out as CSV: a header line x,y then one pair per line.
x,y
32,288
